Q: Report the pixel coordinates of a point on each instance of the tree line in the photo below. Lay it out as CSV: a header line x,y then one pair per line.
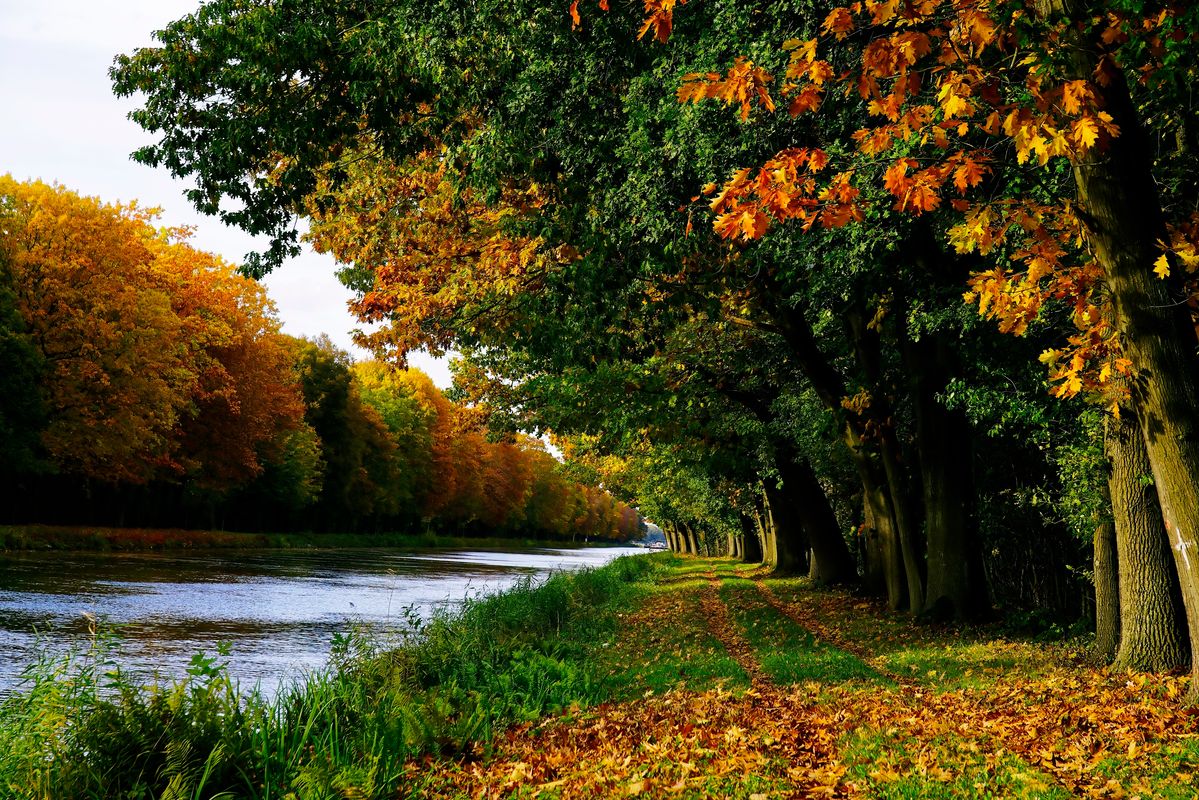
x,y
898,293
146,383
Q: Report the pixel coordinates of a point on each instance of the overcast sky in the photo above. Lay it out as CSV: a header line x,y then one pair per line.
x,y
62,123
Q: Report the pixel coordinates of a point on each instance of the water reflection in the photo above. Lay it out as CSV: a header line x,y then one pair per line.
x,y
280,609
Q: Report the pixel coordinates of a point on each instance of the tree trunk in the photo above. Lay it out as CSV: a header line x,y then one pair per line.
x,y
769,550
689,537
1153,635
956,586
751,552
867,353
831,561
884,562
790,544
1107,590
1119,203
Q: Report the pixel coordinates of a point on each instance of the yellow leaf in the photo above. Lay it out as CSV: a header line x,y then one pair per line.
x,y
1162,266
1085,132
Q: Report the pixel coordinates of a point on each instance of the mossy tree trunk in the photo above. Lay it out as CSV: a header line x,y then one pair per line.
x,y
790,544
831,560
1119,203
1107,589
956,585
1153,635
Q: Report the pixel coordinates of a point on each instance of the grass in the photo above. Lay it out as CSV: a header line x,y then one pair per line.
x,y
787,652
664,644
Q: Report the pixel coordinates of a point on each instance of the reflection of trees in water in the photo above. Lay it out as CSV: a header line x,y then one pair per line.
x,y
280,609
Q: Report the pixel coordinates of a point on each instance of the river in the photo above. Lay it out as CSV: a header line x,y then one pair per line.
x,y
279,609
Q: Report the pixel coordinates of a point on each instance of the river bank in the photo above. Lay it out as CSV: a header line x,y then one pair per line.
x,y
15,538
655,676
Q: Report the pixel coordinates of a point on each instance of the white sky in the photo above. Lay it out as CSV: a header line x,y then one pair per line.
x,y
61,123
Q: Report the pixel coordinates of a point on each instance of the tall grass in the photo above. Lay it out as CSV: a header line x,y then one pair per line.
x,y
80,728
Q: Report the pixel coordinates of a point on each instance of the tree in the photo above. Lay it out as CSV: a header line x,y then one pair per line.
x,y
117,377
246,395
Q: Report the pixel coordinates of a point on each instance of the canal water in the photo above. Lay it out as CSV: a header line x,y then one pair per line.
x,y
278,609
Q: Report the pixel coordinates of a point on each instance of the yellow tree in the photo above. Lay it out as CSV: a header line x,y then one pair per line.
x,y
118,375
246,395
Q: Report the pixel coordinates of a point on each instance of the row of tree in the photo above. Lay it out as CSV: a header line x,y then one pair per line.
x,y
144,382
751,321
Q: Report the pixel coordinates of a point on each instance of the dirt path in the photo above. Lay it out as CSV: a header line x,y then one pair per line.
x,y
766,742
720,622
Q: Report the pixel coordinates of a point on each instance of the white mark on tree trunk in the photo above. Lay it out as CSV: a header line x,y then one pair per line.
x,y
1181,547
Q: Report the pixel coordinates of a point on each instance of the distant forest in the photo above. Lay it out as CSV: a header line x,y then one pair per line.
x,y
146,383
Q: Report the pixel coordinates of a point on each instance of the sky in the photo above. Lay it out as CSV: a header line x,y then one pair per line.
x,y
63,124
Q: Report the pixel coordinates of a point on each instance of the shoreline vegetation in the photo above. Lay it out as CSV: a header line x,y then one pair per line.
x,y
654,676
82,538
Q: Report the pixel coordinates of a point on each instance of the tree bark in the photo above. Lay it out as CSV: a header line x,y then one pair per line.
x,y
1125,221
1119,204
866,351
874,562
689,543
884,568
831,561
751,551
671,540
1107,590
1153,634
956,586
790,544
769,550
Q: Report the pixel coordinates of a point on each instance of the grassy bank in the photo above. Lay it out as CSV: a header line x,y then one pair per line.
x,y
100,539
361,730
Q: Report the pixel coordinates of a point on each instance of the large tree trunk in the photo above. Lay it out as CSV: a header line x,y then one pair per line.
x,y
1153,634
751,544
884,565
769,538
831,561
1118,201
690,544
881,520
866,347
1107,590
790,544
870,543
956,585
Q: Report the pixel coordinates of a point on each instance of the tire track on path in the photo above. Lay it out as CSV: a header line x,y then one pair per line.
x,y
720,622
683,743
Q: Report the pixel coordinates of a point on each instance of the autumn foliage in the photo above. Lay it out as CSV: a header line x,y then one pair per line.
x,y
957,99
165,377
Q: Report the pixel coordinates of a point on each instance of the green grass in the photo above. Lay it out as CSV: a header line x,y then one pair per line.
x,y
81,729
787,652
666,645
886,763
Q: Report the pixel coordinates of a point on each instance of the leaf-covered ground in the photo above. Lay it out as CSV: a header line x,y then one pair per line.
x,y
728,683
